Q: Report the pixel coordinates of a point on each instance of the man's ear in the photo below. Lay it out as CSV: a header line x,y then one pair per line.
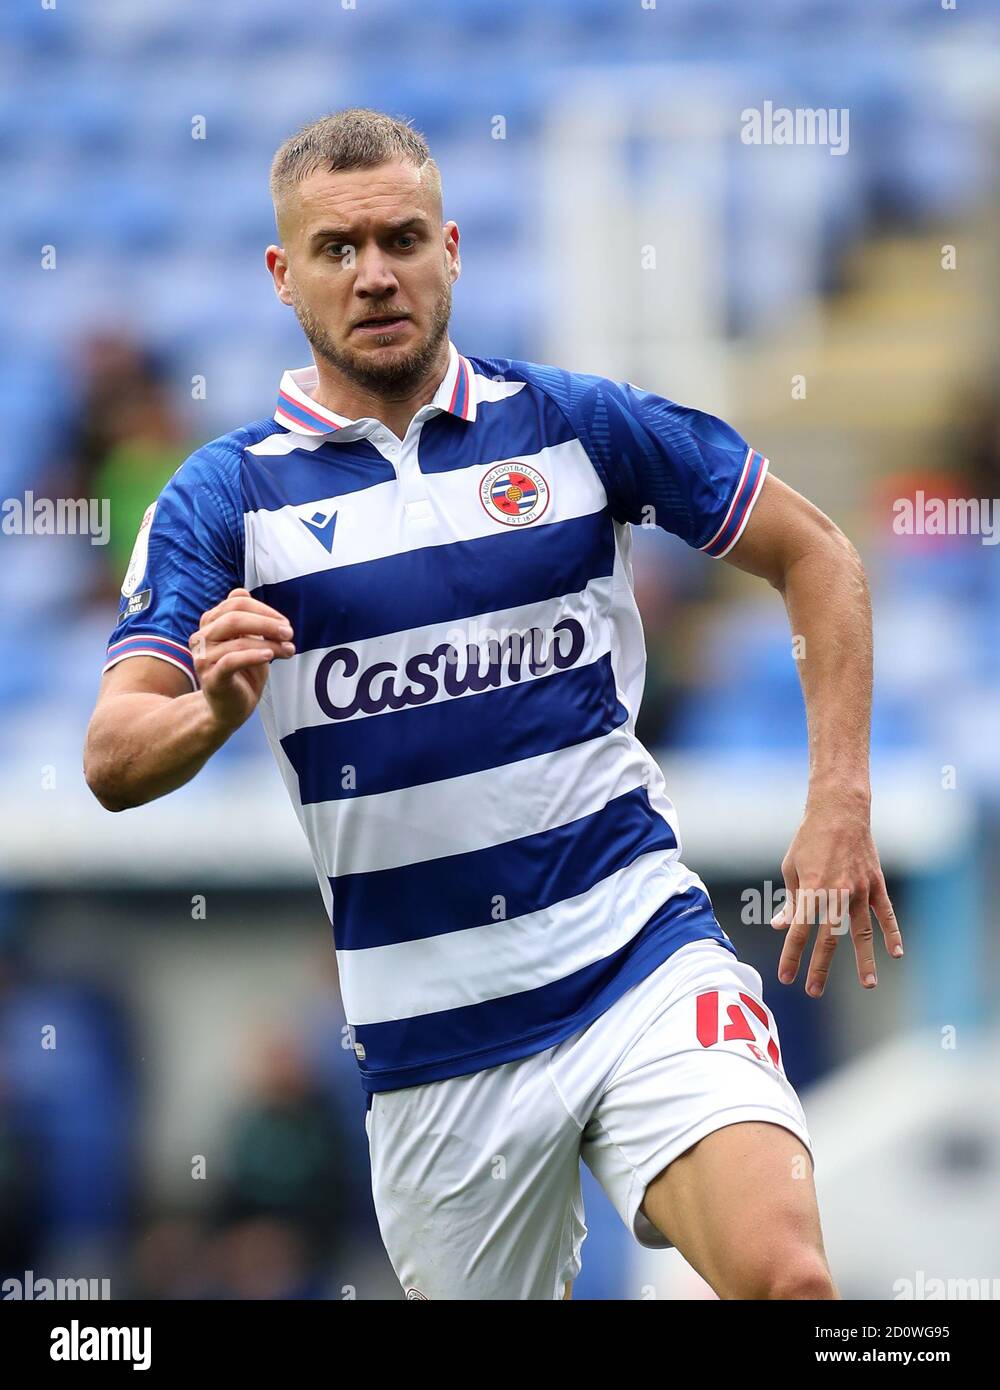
x,y
454,260
277,267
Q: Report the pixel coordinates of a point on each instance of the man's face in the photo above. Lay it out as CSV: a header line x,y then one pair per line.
x,y
367,245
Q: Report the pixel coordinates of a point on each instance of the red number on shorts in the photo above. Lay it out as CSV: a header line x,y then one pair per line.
x,y
738,1029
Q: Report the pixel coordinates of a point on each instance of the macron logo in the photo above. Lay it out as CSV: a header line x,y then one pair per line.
x,y
322,527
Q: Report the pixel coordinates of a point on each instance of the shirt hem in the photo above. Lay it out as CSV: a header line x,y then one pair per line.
x,y
649,956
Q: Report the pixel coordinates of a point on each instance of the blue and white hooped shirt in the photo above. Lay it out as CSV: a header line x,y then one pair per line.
x,y
494,846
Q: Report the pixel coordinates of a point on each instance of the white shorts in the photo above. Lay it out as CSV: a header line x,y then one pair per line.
x,y
476,1179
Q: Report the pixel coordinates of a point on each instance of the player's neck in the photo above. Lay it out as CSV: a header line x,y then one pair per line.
x,y
345,397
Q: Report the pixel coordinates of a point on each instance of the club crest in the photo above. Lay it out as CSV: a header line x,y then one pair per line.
x,y
514,493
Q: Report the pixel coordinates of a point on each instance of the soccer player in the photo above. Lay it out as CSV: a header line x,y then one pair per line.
x,y
418,570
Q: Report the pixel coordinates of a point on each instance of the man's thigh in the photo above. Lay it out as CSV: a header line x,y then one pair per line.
x,y
476,1183
709,1062
740,1206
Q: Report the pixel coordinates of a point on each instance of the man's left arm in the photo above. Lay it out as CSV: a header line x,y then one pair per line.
x,y
832,858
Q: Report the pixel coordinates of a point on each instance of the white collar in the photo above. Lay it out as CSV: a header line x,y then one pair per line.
x,y
298,411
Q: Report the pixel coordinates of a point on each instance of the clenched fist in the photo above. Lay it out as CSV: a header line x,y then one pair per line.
x,y
235,644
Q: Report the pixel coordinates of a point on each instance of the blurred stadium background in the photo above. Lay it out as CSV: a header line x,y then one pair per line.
x,y
612,221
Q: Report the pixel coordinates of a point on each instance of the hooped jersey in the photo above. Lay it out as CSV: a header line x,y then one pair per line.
x,y
495,848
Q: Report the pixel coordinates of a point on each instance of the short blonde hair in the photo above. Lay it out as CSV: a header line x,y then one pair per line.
x,y
356,138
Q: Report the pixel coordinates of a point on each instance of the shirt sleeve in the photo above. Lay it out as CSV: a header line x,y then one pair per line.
x,y
688,472
188,555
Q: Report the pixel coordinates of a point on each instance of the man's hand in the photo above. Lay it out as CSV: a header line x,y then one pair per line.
x,y
233,648
150,732
832,871
833,876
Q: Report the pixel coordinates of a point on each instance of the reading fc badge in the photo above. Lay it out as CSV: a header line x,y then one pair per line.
x,y
514,493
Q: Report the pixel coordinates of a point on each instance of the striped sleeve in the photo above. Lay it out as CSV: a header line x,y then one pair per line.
x,y
188,555
151,644
745,494
668,465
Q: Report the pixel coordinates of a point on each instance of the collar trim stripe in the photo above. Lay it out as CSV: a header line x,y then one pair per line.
x,y
297,411
460,393
301,415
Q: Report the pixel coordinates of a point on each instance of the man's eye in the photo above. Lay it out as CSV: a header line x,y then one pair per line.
x,y
336,249
408,236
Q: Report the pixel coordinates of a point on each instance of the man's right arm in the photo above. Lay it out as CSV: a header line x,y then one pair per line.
x,y
150,733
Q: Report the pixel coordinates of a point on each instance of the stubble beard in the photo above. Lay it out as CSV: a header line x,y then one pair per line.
x,y
395,376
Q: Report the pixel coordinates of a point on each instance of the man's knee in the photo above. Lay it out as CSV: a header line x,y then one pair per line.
x,y
789,1272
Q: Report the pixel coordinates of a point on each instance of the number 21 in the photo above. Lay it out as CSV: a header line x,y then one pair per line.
x,y
738,1028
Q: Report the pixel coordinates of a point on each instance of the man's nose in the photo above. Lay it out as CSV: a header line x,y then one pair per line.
x,y
374,275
